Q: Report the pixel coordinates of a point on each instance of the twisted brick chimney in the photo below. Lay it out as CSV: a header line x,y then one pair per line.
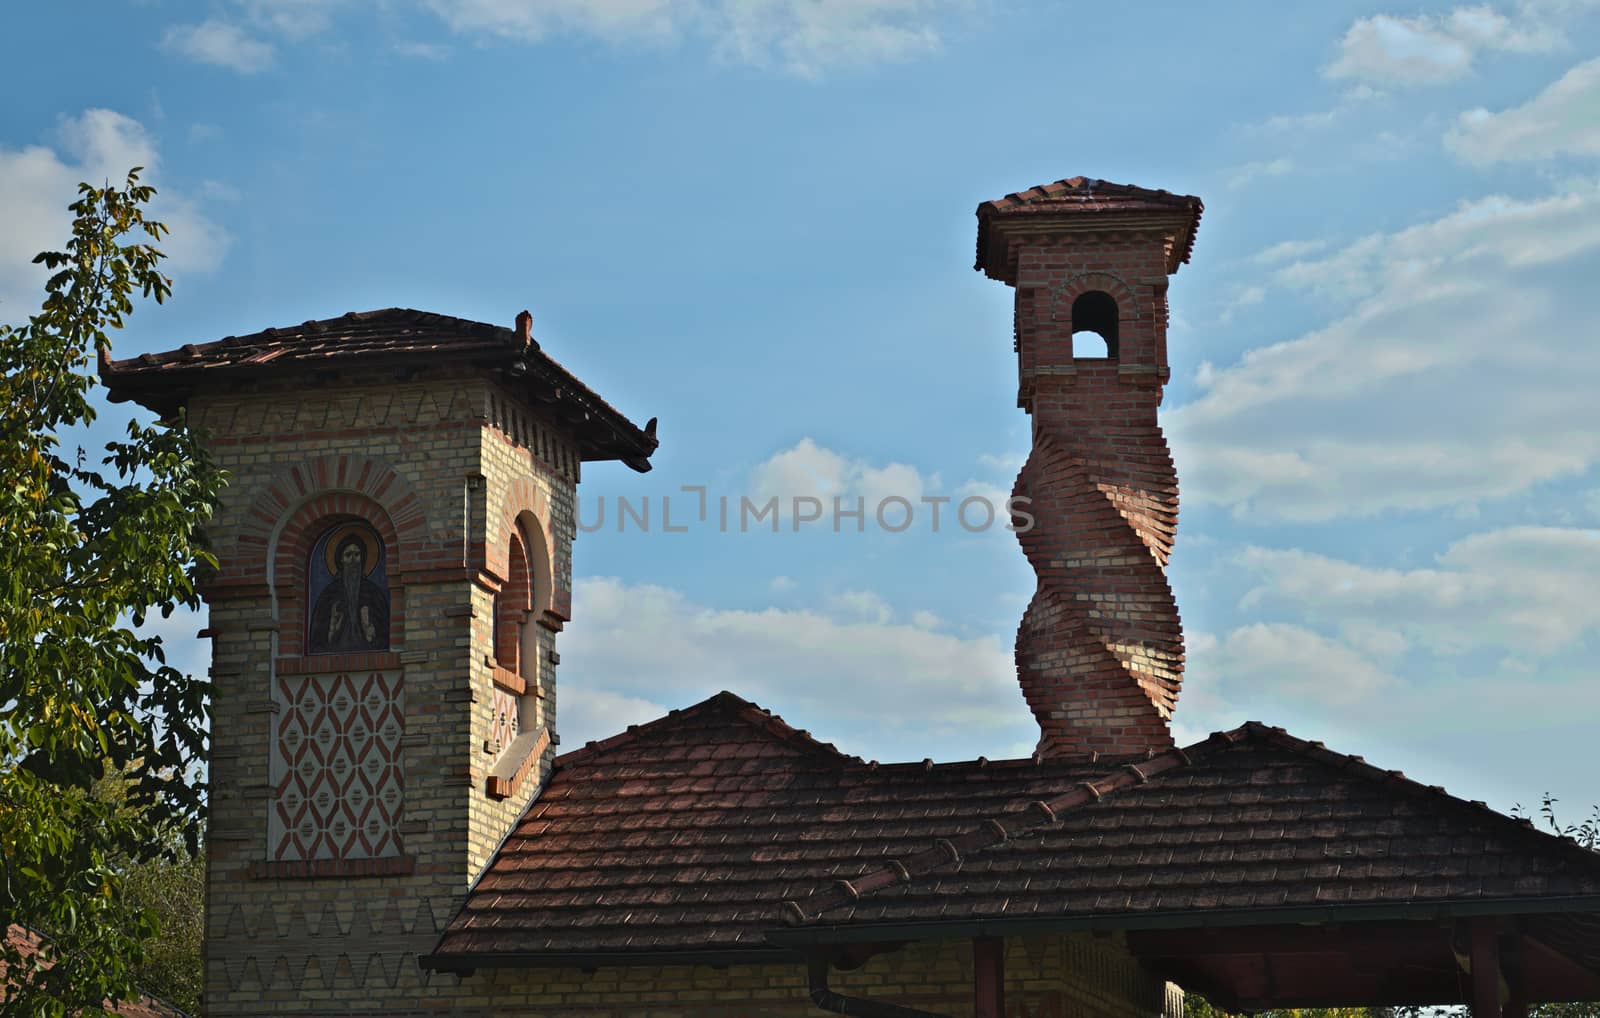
x,y
1100,648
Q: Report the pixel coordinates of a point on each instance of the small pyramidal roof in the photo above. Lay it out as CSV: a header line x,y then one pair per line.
x,y
403,338
1078,197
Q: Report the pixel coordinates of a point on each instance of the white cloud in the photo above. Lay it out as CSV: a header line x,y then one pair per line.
x,y
1002,463
861,606
590,714
1435,49
1460,370
1246,297
220,44
532,20
808,470
1288,251
297,19
1292,661
892,497
38,182
802,36
781,584
1564,119
809,36
1266,168
854,677
1527,590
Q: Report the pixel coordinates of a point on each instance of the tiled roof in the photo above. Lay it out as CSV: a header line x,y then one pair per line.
x,y
1081,196
26,943
1250,819
688,833
710,828
392,335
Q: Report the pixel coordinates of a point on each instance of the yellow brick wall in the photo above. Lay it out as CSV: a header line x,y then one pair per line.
x,y
461,446
1060,976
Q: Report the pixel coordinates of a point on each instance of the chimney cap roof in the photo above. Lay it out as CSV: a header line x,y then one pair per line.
x,y
1071,200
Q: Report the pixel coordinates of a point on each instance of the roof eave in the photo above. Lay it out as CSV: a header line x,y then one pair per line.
x,y
996,227
870,932
167,391
470,961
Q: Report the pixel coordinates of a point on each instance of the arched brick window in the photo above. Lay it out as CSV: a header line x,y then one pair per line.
x,y
512,607
1094,314
518,724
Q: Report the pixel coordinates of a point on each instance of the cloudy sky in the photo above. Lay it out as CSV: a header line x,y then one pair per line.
x,y
753,220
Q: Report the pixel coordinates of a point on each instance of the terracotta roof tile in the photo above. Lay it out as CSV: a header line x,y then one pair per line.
x,y
638,841
391,335
27,944
1081,196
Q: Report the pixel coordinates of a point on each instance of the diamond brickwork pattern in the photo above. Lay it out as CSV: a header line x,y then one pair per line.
x,y
506,725
337,783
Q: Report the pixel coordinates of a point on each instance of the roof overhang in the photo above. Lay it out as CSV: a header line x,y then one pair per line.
x,y
1000,234
848,933
471,961
164,385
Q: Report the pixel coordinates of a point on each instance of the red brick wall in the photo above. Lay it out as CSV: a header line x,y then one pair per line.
x,y
1100,648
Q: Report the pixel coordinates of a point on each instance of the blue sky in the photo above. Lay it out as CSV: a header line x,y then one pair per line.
x,y
753,220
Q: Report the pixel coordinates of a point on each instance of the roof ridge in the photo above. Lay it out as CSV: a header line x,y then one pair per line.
x,y
995,830
750,713
1317,750
191,350
1088,188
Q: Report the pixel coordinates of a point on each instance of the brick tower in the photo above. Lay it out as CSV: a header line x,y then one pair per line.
x,y
395,563
1100,649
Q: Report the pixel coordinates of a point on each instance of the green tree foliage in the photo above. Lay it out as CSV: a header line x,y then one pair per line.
x,y
1196,1006
171,888
86,553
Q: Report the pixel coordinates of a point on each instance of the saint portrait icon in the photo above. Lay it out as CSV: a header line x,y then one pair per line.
x,y
348,591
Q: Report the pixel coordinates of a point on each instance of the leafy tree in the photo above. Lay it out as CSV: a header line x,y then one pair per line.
x,y
172,889
85,556
169,887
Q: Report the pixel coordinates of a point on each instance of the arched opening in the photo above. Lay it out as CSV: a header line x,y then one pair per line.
x,y
523,699
518,639
511,608
1094,326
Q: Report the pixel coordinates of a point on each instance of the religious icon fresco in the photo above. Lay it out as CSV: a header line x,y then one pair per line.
x,y
347,589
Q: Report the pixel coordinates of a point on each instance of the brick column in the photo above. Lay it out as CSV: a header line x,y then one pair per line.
x,y
1100,648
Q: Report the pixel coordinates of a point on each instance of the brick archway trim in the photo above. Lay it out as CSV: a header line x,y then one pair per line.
x,y
523,497
299,533
1062,296
250,564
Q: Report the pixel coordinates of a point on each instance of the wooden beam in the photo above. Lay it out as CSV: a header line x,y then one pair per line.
x,y
988,977
1485,969
1286,940
1516,978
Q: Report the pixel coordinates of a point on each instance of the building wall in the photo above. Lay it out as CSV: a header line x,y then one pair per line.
x,y
442,467
1059,976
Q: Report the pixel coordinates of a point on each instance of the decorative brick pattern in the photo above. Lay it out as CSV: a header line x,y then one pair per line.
x,y
506,725
1100,647
339,786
